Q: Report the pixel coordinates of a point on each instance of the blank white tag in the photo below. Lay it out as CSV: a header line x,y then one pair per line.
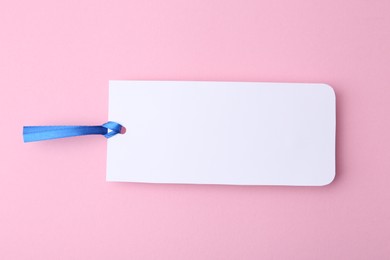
x,y
242,133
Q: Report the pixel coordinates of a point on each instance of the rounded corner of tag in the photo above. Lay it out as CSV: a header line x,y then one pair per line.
x,y
330,179
330,90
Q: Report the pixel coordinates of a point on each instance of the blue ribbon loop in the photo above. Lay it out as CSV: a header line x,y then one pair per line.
x,y
40,133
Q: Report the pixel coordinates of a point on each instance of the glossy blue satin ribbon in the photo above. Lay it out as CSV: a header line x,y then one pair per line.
x,y
39,133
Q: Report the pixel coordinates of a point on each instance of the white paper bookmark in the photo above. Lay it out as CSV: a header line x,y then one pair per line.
x,y
241,133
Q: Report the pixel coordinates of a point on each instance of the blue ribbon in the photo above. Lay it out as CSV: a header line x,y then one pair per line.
x,y
39,133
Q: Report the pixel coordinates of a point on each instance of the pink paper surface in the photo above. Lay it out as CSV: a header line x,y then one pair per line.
x,y
56,58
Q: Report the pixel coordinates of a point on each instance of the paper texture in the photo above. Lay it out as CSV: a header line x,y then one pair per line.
x,y
241,133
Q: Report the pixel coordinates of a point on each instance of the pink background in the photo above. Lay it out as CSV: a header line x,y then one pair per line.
x,y
56,58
